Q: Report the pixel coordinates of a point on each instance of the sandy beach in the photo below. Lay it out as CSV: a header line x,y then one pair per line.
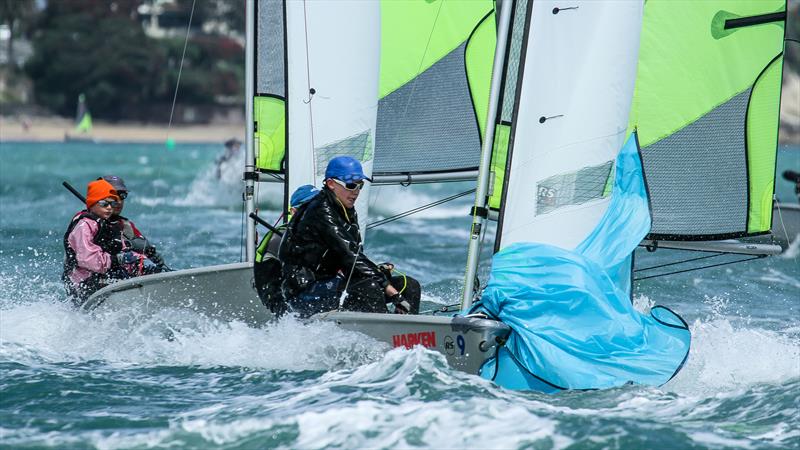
x,y
54,129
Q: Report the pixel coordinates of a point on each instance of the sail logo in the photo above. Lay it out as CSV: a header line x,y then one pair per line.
x,y
408,340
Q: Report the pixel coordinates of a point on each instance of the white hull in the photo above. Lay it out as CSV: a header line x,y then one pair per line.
x,y
466,342
223,292
790,213
226,292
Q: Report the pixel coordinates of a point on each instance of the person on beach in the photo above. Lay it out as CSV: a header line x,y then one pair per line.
x,y
134,239
93,245
267,267
322,261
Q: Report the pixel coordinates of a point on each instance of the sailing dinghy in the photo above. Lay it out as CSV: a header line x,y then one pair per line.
x,y
311,97
571,207
559,101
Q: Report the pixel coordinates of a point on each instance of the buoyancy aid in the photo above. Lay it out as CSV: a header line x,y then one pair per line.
x,y
267,273
106,238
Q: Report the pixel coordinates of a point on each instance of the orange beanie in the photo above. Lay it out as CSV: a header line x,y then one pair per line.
x,y
98,190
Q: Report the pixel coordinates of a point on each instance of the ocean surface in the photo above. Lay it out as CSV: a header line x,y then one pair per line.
x,y
180,380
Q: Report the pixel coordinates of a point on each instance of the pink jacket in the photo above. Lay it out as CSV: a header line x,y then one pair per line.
x,y
91,258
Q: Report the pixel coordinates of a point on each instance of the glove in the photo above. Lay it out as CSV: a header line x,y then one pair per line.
x,y
386,268
401,305
126,257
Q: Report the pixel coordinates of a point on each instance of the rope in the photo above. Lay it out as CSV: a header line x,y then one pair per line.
x,y
311,94
780,219
417,209
441,309
180,68
678,262
699,268
419,67
175,95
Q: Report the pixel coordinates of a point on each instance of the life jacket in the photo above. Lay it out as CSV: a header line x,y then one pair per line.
x,y
267,273
103,238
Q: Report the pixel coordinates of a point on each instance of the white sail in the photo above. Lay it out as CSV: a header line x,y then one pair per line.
x,y
339,59
576,89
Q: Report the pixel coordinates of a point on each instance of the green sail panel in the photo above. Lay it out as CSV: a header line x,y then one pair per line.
x,y
498,166
270,118
269,105
705,107
763,119
434,85
502,131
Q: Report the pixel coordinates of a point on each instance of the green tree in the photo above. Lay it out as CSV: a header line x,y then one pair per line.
x,y
85,46
17,14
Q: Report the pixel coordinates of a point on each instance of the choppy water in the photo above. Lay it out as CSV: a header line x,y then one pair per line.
x,y
180,380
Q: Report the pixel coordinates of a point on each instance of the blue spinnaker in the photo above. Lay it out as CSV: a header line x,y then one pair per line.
x,y
572,320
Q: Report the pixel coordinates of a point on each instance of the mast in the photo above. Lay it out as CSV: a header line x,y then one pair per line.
x,y
479,218
250,158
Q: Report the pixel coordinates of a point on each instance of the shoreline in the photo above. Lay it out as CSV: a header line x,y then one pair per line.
x,y
57,129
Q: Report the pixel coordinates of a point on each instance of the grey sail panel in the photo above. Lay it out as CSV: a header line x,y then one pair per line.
x,y
697,177
429,124
270,60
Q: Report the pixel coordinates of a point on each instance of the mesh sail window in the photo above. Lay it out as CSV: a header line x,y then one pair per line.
x,y
436,62
358,147
269,104
707,107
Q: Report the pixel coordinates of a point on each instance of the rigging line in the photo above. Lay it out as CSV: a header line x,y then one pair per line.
x,y
679,262
780,218
699,268
419,66
417,209
180,68
311,95
175,94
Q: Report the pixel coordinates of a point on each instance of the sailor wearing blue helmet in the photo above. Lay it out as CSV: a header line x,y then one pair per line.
x,y
321,254
302,195
267,268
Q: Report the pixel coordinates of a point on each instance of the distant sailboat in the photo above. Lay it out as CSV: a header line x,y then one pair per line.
x,y
83,123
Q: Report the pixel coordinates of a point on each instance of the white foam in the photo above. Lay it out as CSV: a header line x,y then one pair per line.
x,y
724,357
54,332
793,251
374,419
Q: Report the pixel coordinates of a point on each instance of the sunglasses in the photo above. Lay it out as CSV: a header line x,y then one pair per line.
x,y
122,195
349,186
106,203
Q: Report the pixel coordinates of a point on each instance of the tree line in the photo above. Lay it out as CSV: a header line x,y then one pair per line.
x,y
100,49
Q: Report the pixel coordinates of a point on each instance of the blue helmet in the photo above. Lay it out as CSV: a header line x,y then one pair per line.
x,y
303,195
345,168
